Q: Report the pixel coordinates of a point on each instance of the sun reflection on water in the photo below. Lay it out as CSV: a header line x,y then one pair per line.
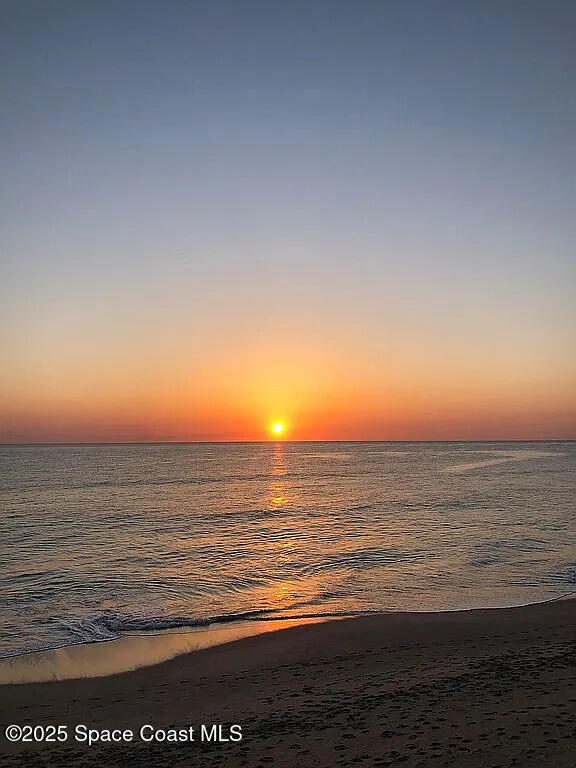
x,y
278,487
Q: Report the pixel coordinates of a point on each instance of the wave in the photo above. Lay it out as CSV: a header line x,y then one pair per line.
x,y
109,625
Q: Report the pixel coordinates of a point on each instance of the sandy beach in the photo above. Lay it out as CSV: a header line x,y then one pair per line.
x,y
490,688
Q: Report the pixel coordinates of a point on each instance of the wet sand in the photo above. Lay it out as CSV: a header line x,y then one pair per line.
x,y
492,688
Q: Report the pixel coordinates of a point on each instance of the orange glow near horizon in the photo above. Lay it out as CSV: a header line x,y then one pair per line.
x,y
285,386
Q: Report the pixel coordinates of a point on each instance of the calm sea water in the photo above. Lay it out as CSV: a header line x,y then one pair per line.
x,y
106,539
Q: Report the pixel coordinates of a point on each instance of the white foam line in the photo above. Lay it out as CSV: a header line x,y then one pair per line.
x,y
502,457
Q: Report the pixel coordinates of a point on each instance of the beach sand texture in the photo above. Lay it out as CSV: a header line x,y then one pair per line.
x,y
492,688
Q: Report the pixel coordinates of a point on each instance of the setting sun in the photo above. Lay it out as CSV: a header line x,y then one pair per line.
x,y
277,428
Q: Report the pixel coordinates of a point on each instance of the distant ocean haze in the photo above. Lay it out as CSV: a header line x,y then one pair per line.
x,y
103,540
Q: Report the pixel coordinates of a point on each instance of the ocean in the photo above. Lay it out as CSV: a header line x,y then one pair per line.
x,y
99,541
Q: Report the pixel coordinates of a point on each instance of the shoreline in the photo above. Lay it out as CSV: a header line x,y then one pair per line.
x,y
476,687
135,650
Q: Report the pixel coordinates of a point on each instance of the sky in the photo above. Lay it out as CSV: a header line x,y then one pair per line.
x,y
357,219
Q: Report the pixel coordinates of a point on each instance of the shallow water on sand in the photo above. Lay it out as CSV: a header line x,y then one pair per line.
x,y
106,540
130,652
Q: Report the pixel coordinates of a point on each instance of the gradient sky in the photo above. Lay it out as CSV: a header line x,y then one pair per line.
x,y
356,217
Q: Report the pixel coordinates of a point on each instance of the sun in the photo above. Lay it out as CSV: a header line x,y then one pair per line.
x,y
277,428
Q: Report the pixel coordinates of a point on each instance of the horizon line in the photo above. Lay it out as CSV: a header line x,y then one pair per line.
x,y
275,442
